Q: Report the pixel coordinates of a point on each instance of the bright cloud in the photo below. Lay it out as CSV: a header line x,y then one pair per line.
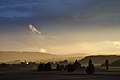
x,y
43,50
33,29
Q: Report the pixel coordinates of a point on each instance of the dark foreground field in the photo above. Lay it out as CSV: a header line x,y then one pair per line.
x,y
33,75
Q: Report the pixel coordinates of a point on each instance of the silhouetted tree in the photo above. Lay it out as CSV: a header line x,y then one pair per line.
x,y
4,66
47,67
40,67
60,67
90,62
63,62
66,61
76,66
106,64
70,68
90,68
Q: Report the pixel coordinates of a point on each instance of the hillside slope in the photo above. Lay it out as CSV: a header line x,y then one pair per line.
x,y
99,59
6,56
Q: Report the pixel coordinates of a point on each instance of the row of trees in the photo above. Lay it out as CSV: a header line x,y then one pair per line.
x,y
11,67
76,66
68,67
61,66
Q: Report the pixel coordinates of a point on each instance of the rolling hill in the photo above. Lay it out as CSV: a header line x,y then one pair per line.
x,y
17,57
7,56
99,59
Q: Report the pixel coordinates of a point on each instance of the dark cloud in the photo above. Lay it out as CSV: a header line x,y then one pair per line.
x,y
59,12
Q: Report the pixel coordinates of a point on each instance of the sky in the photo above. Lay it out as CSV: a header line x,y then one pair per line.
x,y
60,26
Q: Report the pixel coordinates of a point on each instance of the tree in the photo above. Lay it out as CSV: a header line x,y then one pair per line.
x,y
90,68
47,67
70,68
60,67
76,66
106,64
90,62
40,67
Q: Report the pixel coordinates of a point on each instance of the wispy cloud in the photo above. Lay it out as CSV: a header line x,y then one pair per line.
x,y
33,29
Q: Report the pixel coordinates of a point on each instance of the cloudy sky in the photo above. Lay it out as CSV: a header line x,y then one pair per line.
x,y
60,26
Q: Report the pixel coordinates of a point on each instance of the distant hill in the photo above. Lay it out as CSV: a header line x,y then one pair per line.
x,y
99,59
14,56
73,57
17,57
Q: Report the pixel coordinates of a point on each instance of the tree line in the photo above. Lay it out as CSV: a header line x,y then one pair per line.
x,y
70,67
